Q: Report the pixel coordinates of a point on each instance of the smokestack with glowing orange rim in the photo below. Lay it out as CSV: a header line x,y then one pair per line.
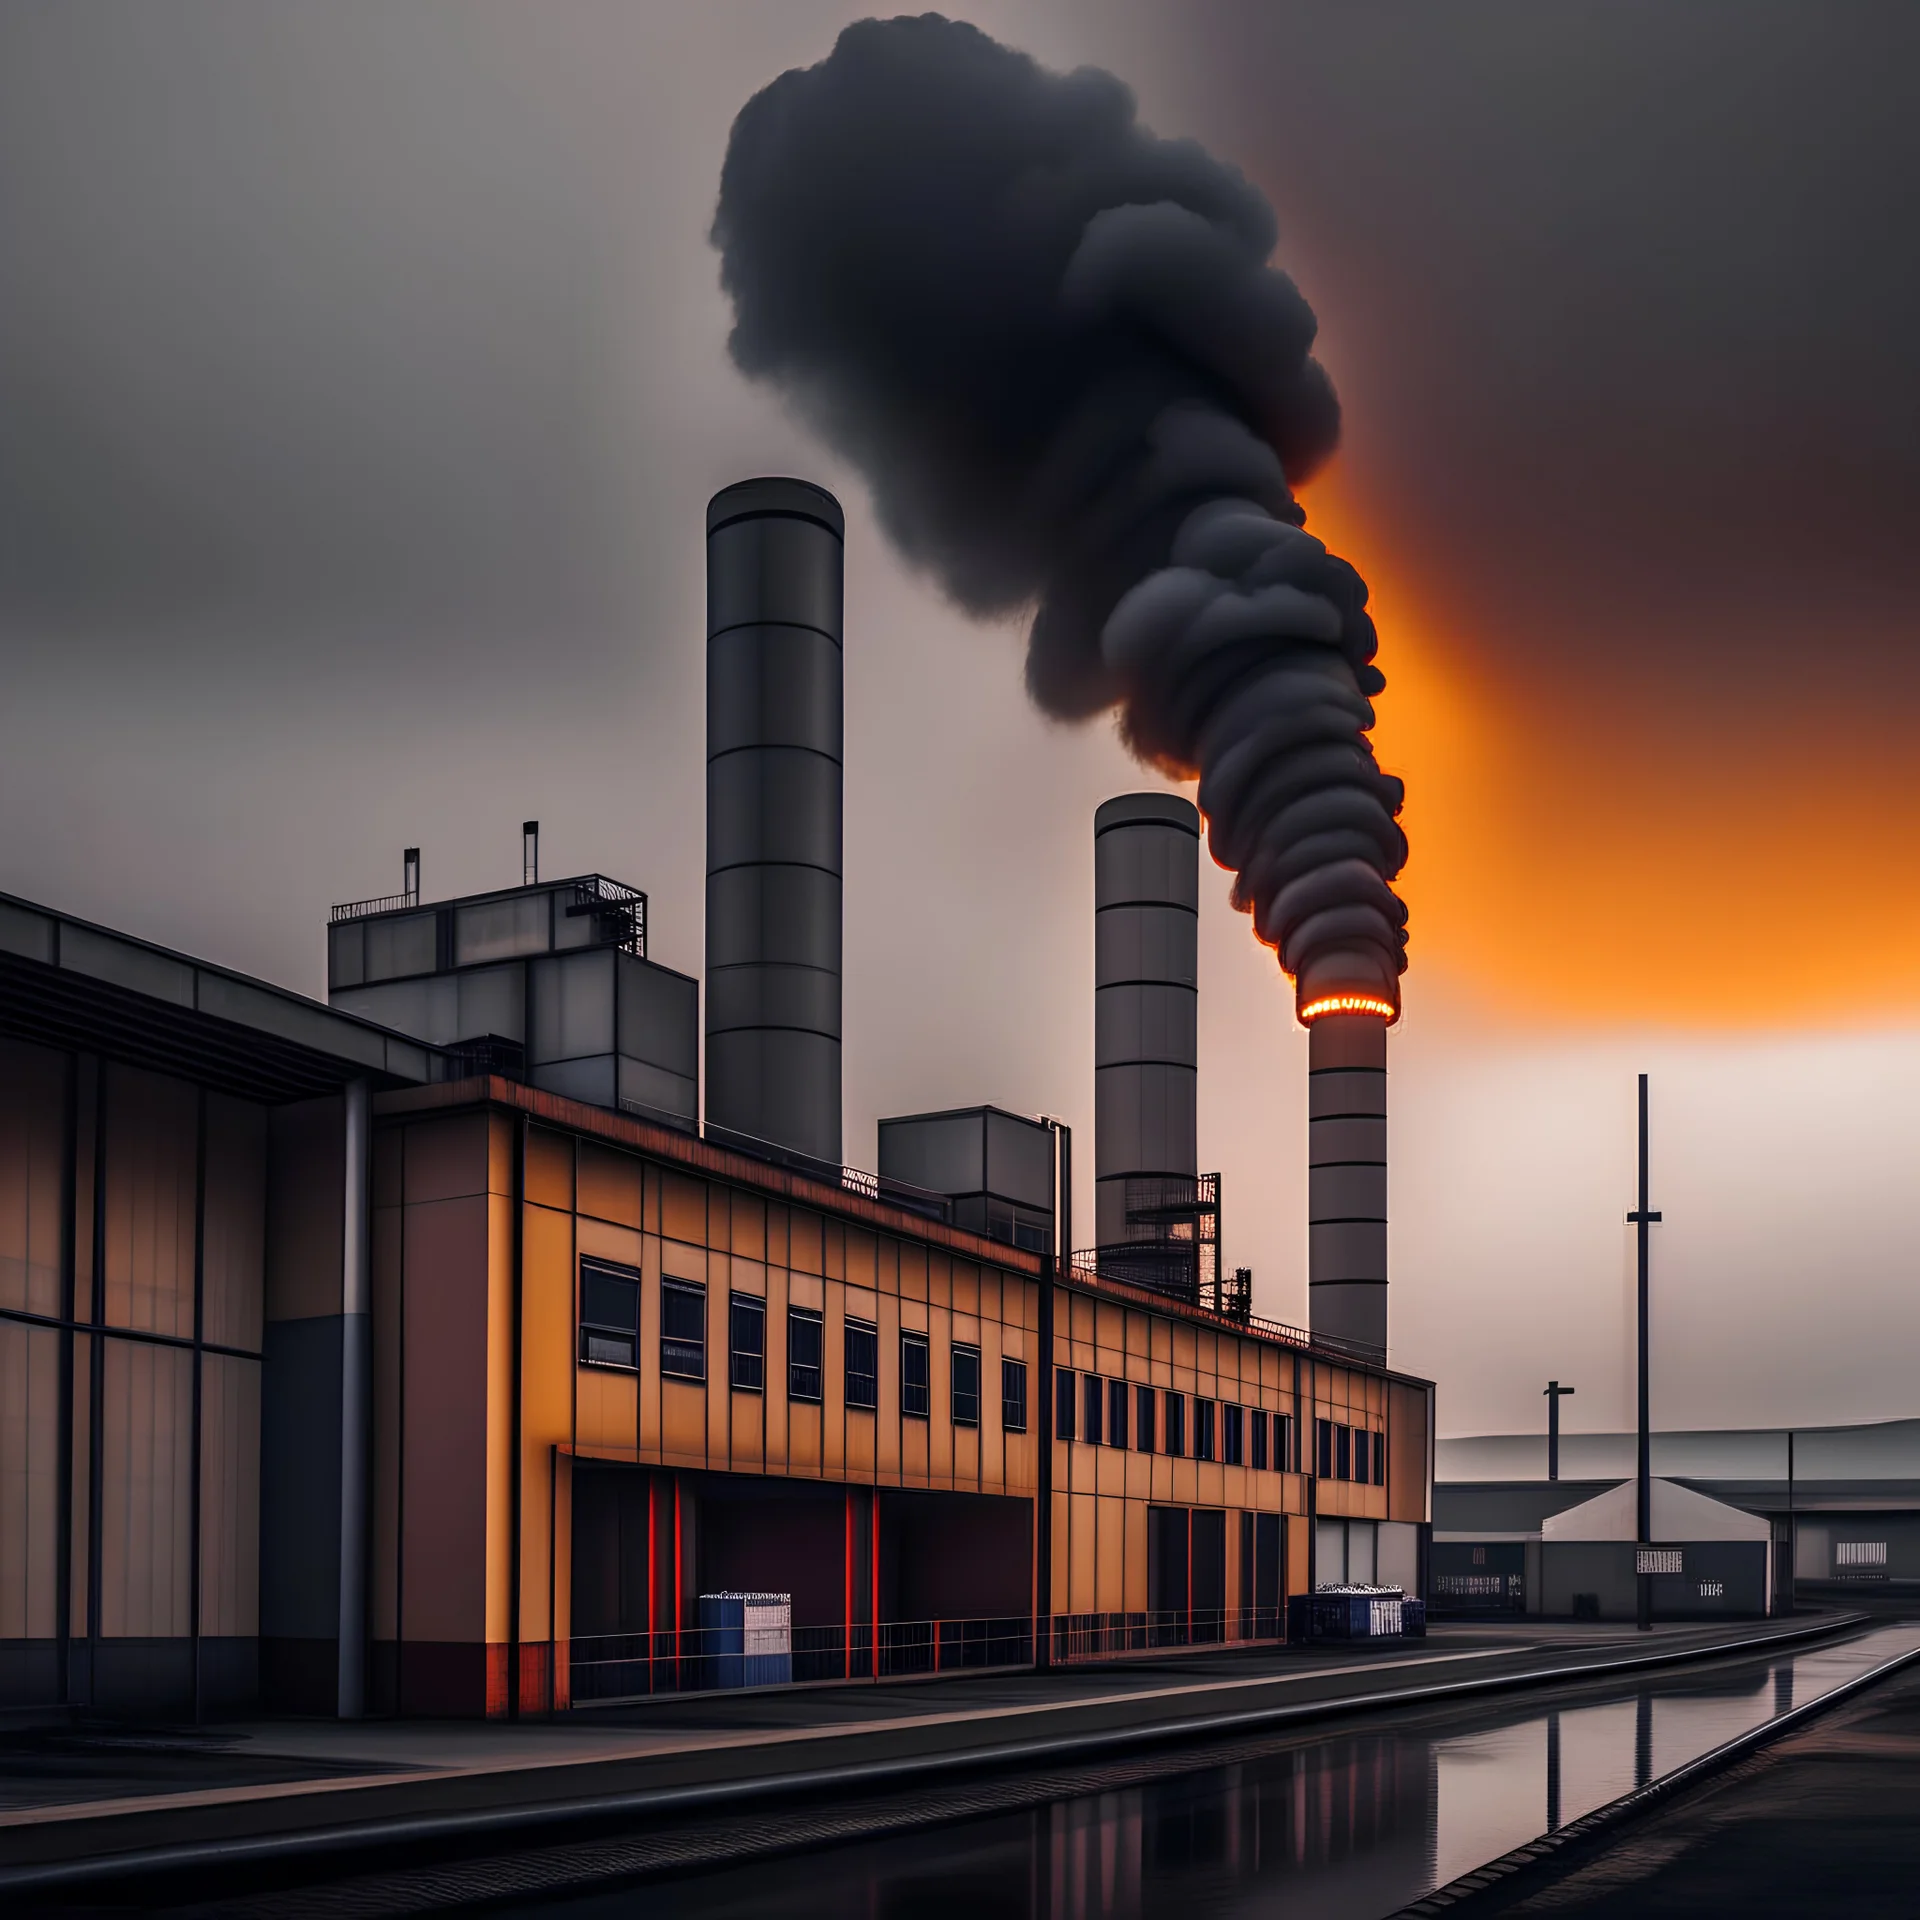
x,y
1347,1167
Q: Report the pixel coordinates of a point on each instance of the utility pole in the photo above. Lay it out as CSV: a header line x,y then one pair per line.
x,y
1555,1393
1793,1531
1643,1217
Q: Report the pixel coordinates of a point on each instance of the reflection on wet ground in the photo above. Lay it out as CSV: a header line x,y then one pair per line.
x,y
1822,1824
1349,1824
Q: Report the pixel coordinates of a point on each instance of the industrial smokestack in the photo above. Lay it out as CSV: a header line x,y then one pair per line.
x,y
1347,1178
774,711
1057,347
1146,903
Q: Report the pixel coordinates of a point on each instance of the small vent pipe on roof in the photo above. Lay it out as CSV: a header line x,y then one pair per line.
x,y
529,852
410,875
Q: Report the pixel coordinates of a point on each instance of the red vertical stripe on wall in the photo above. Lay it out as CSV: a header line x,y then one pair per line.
x,y
876,1582
653,1577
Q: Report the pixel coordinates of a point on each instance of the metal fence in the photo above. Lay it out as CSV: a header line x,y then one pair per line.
x,y
1107,1636
632,1666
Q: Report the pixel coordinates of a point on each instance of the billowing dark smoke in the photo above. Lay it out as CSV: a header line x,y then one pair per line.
x,y
1054,345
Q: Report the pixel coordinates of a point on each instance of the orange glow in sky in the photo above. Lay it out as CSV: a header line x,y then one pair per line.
x,y
1578,858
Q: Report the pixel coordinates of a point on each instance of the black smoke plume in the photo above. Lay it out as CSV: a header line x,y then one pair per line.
x,y
1054,345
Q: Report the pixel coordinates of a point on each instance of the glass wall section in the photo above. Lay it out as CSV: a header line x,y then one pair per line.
x,y
29,1481
33,1104
229,1496
233,1259
152,1167
146,1507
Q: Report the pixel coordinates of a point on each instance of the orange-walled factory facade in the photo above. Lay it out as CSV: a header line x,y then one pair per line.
x,y
337,1377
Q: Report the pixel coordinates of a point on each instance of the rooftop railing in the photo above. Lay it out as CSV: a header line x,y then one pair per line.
x,y
1088,1271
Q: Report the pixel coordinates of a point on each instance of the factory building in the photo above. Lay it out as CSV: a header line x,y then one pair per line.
x,y
441,1351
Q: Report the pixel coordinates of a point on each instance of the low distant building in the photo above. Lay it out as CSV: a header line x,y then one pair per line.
x,y
1845,1519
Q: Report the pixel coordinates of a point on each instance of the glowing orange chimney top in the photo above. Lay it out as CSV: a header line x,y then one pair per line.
x,y
1348,1003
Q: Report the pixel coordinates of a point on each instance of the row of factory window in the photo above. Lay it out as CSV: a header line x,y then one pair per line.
x,y
610,1337
1123,1413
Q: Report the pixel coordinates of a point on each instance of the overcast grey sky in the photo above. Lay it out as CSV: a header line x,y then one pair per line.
x,y
363,379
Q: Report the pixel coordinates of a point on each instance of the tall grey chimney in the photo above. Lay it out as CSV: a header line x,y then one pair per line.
x,y
1146,907
1347,1172
775,561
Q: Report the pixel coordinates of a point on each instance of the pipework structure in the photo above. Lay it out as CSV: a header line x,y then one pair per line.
x,y
775,567
1347,1170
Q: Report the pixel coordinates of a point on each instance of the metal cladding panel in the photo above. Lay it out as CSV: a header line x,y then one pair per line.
x,y
1146,891
573,1007
659,1016
1355,1311
1145,1021
787,1083
1346,1250
1144,1120
642,1084
401,944
774,813
1134,943
493,1000
773,996
593,1080
1147,863
1347,1191
774,570
1346,1092
942,1152
773,805
1331,1140
773,916
427,1009
1020,1160
774,686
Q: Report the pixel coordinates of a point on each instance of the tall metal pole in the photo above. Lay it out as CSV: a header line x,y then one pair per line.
x,y
1555,1393
1643,1217
1793,1531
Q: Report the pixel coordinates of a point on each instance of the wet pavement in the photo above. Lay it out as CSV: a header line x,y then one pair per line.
x,y
1354,1822
1825,1823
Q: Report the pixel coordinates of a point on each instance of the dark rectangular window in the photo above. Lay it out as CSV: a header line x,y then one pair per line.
x,y
1143,1421
1093,1401
805,1342
1063,1405
1343,1453
1362,1442
1323,1449
1176,1424
966,1386
1256,1439
1379,1459
748,1320
609,1316
1203,1429
683,1329
1116,1413
1013,1395
1286,1453
1230,1435
863,1365
913,1374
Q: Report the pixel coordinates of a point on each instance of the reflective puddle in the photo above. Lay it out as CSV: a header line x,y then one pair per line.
x,y
1349,1826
